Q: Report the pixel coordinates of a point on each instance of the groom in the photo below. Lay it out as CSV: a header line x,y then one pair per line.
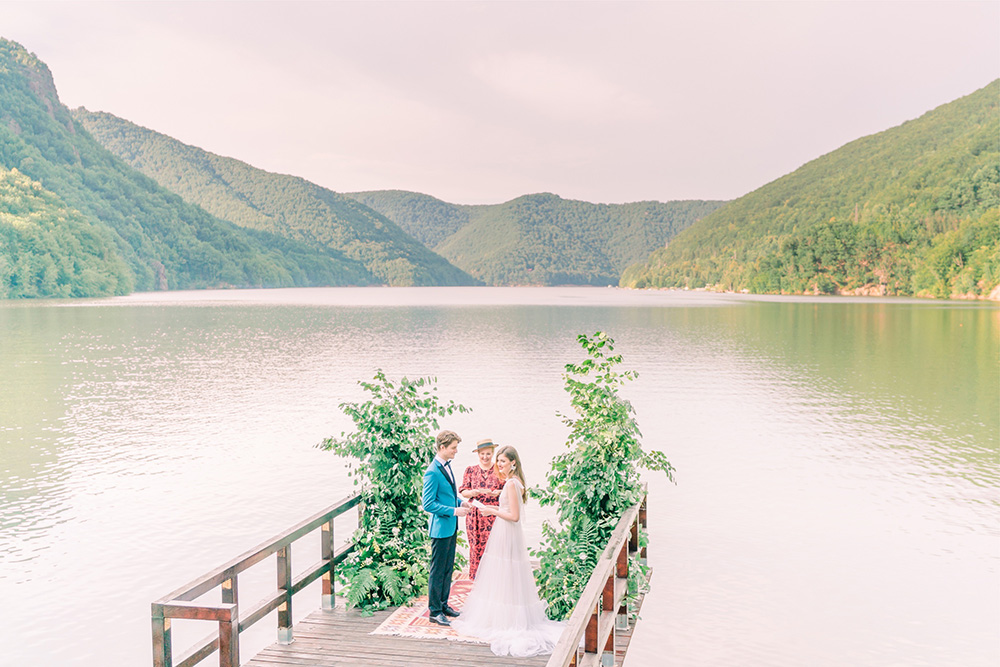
x,y
442,502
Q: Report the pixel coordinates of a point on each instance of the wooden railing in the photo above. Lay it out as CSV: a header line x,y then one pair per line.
x,y
602,611
232,621
599,615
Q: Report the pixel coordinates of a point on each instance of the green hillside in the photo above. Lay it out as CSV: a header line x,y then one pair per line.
x,y
538,239
76,221
425,218
914,210
284,205
48,249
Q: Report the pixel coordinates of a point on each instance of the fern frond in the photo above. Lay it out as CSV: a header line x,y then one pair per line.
x,y
392,582
360,586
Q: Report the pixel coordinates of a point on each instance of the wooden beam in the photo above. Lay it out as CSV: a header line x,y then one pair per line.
x,y
285,588
214,578
162,650
203,612
229,643
326,549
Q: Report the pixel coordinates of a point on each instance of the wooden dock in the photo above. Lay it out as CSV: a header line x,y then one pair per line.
x,y
599,628
339,637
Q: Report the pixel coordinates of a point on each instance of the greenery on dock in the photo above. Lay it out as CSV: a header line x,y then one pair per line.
x,y
387,454
594,483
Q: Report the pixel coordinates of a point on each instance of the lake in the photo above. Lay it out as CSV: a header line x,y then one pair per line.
x,y
837,485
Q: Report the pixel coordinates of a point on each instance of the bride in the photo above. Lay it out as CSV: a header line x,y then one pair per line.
x,y
503,607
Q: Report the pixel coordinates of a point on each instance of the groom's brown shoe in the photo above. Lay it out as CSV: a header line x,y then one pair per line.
x,y
440,619
448,611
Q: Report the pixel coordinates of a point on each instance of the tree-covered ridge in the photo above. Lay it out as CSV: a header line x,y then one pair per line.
x,y
284,205
47,249
425,218
913,210
163,241
539,239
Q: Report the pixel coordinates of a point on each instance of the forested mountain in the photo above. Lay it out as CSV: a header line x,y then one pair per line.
x,y
77,221
284,205
538,239
914,210
48,249
425,218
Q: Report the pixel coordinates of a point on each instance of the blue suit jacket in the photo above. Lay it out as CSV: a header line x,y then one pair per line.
x,y
440,500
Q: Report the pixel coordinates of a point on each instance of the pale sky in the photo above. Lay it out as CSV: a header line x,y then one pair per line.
x,y
483,102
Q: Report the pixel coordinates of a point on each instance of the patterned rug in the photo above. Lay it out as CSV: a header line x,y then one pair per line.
x,y
412,620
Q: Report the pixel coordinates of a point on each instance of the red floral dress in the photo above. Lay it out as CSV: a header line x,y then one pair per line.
x,y
478,525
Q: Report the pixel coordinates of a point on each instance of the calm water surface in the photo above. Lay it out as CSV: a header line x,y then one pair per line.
x,y
838,480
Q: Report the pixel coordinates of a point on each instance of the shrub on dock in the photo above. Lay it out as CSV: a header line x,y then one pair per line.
x,y
387,456
596,481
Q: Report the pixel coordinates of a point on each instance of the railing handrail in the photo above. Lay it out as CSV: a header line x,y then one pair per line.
x,y
594,614
565,651
230,621
251,557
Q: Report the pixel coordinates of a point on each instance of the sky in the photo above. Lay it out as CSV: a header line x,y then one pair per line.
x,y
478,103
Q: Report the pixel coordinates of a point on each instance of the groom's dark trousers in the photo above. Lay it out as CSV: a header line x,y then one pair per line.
x,y
442,566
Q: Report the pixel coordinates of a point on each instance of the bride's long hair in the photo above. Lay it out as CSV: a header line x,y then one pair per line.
x,y
516,469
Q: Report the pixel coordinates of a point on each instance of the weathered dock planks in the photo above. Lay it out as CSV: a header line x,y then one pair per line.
x,y
338,637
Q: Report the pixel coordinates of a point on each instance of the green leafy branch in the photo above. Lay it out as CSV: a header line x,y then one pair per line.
x,y
596,480
387,455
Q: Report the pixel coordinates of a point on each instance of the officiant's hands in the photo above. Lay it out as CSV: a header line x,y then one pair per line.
x,y
461,511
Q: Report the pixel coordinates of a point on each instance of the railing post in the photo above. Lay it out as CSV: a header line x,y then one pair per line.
x,y
642,522
230,591
621,571
607,604
608,594
590,634
162,649
285,584
608,657
328,597
229,641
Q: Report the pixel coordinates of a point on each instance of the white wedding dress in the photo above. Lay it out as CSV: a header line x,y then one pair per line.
x,y
503,607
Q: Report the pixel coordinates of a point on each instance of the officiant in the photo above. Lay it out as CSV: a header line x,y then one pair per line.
x,y
480,482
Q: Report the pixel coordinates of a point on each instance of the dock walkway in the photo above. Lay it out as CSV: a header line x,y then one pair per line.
x,y
340,637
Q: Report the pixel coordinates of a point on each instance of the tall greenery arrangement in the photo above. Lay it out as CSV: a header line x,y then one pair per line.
x,y
387,456
597,480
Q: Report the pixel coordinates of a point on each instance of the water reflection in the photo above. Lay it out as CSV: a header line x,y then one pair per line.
x,y
836,459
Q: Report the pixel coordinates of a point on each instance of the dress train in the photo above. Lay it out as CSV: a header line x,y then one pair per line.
x,y
503,607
